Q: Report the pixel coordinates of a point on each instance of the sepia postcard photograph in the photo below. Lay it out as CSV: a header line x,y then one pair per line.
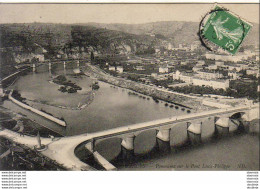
x,y
129,87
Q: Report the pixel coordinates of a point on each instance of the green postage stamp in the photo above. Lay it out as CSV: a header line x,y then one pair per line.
x,y
225,29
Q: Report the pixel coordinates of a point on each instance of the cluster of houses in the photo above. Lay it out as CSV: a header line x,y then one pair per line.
x,y
214,70
216,74
37,52
181,47
202,78
211,75
238,58
118,69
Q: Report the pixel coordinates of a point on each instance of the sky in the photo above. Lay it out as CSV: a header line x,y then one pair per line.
x,y
116,13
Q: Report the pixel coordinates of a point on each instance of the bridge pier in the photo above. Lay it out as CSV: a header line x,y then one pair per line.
x,y
127,154
241,127
163,146
50,69
244,126
90,145
127,146
163,134
221,126
34,67
64,67
194,132
128,142
49,66
245,122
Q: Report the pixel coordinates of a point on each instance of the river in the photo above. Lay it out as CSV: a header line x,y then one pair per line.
x,y
114,107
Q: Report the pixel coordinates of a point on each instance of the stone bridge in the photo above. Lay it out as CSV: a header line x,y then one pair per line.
x,y
62,150
50,64
222,118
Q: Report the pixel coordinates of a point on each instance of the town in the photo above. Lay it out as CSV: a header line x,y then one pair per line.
x,y
140,95
190,70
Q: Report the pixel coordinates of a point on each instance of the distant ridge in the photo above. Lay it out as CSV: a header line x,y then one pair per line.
x,y
179,31
109,38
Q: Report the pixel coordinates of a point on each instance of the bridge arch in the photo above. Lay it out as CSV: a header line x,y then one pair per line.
x,y
237,115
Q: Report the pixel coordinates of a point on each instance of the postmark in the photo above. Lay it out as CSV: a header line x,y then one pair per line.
x,y
223,29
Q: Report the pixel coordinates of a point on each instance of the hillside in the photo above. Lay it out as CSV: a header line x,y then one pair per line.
x,y
18,42
61,37
178,31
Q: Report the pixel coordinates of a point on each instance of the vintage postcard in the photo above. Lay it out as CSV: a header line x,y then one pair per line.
x,y
100,86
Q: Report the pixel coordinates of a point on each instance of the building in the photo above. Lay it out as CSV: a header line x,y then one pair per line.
x,y
139,68
254,72
197,68
157,50
215,84
112,68
209,75
119,69
212,67
234,68
191,79
163,69
184,63
210,56
242,66
169,47
200,62
186,77
234,75
76,71
219,63
230,58
223,67
154,75
162,77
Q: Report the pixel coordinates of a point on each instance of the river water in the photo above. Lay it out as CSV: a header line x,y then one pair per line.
x,y
114,107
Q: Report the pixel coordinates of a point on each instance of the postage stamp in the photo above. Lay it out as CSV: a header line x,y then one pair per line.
x,y
225,29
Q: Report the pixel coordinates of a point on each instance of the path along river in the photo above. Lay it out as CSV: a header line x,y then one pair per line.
x,y
114,107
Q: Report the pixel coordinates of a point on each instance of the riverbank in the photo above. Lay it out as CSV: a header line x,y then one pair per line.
x,y
87,101
41,90
23,125
13,77
197,103
41,113
182,100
